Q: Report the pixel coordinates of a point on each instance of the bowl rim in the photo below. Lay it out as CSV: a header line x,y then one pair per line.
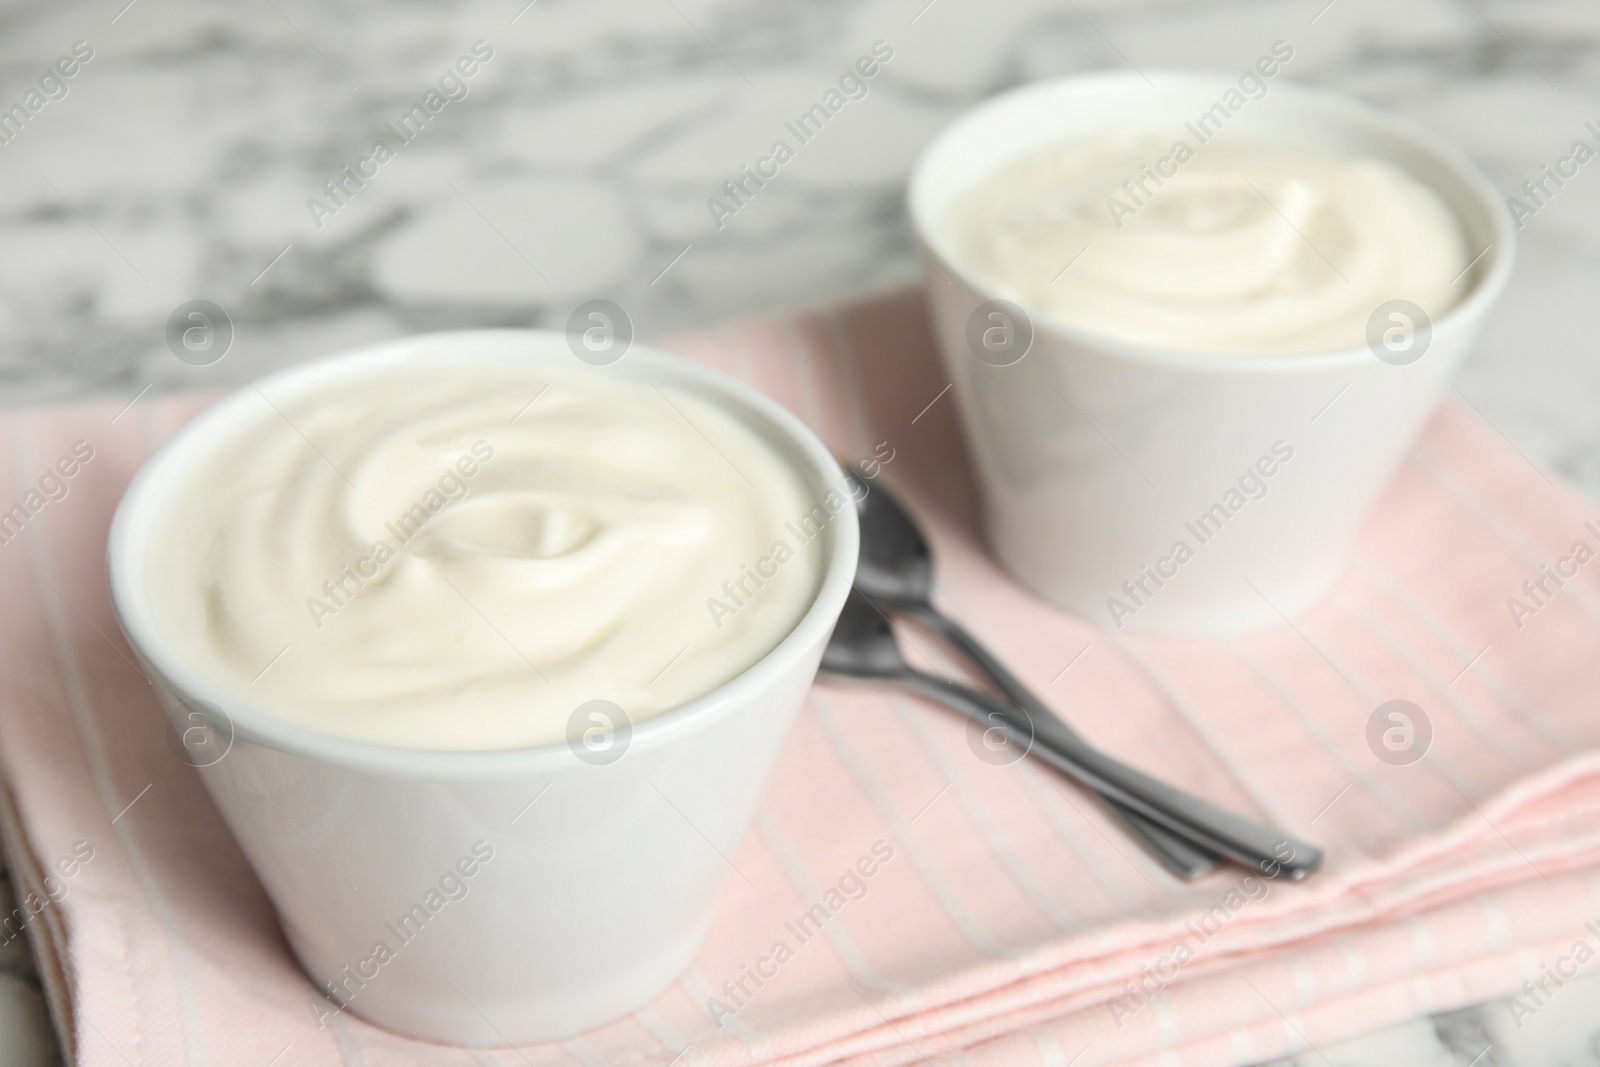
x,y
135,516
1317,103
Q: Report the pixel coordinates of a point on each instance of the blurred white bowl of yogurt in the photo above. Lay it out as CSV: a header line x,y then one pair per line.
x,y
1194,323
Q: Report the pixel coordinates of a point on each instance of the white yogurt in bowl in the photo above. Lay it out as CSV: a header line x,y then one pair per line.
x,y
1241,247
1153,292
463,603
456,557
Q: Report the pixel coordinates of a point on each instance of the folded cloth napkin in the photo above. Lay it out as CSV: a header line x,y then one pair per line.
x,y
899,899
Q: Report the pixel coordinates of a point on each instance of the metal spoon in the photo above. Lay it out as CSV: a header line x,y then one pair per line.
x,y
863,646
896,571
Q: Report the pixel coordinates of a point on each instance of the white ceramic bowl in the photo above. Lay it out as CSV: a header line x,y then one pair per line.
x,y
596,894
1092,454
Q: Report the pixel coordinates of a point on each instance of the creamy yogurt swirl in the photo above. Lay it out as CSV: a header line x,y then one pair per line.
x,y
1238,248
459,557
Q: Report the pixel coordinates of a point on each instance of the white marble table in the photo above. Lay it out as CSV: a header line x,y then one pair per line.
x,y
179,164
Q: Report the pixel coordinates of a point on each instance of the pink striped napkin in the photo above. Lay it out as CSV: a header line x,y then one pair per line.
x,y
906,901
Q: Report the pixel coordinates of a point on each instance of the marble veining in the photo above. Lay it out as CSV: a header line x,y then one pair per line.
x,y
578,161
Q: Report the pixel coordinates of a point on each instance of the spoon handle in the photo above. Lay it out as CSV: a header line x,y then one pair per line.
x,y
1241,840
1181,856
